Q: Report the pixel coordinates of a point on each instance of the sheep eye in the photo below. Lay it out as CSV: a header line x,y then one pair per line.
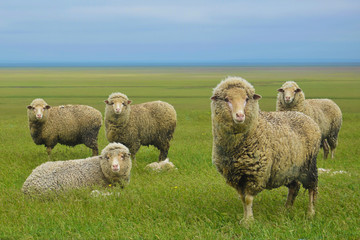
x,y
247,99
226,100
123,104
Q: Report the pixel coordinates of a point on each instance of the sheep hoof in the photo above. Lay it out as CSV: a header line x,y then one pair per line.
x,y
247,222
311,213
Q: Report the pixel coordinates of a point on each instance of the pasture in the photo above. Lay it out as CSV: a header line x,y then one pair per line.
x,y
193,202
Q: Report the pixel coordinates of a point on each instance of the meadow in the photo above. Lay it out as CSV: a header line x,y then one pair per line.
x,y
193,202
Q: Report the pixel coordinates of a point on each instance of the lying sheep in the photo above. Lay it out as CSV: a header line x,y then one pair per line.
x,y
165,165
323,111
151,123
257,150
69,125
111,167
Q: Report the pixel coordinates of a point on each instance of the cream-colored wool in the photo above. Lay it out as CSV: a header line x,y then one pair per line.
x,y
74,174
261,150
151,123
165,165
323,111
67,124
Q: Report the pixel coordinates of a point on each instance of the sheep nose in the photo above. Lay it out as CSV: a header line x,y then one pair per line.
x,y
38,115
287,98
240,116
115,166
117,109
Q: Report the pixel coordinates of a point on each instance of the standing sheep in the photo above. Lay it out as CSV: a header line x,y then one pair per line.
x,y
69,125
323,111
151,123
257,150
111,167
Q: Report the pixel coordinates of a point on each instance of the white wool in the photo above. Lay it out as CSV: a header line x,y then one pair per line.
x,y
161,166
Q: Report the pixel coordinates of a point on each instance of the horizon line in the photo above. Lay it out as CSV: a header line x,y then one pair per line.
x,y
181,64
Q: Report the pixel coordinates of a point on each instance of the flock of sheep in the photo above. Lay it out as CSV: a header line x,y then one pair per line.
x,y
252,149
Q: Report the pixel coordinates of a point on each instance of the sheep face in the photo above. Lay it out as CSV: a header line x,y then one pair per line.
x,y
38,112
115,165
237,102
118,104
288,92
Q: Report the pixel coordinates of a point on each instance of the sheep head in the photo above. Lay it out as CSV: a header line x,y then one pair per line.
x,y
38,110
288,91
115,161
118,101
235,96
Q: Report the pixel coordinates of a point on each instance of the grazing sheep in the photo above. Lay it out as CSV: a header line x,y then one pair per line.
x,y
323,111
69,125
151,123
161,166
111,167
257,150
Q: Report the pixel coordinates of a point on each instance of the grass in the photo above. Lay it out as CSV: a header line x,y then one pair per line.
x,y
193,202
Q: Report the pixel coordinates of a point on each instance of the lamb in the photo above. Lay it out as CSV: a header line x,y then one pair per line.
x,y
257,150
69,125
113,166
151,123
165,165
323,111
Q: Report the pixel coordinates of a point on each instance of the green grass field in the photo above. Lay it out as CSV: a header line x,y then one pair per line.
x,y
193,202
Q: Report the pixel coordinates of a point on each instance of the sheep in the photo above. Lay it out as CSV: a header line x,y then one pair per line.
x,y
150,123
161,166
69,125
256,150
323,111
111,167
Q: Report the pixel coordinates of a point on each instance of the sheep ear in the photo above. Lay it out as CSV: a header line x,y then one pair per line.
x,y
280,90
256,97
214,98
29,107
106,101
129,101
47,107
298,90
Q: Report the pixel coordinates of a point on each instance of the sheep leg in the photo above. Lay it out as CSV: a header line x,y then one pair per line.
x,y
95,151
247,201
293,192
48,150
312,199
333,143
163,155
164,149
325,146
133,150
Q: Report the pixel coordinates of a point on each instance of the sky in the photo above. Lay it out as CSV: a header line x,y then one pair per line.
x,y
179,32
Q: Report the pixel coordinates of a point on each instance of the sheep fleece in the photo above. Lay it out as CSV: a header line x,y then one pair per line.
x,y
69,125
324,112
151,123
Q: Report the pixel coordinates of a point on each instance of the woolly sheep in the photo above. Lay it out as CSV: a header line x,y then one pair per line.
x,y
257,150
111,167
323,111
67,124
151,123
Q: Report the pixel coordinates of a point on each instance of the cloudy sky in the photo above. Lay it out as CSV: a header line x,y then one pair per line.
x,y
179,32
